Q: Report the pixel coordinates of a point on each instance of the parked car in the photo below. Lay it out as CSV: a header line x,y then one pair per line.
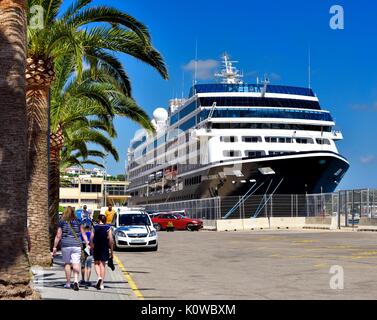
x,y
152,213
134,229
353,219
179,222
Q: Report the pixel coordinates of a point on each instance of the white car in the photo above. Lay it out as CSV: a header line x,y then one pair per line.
x,y
134,229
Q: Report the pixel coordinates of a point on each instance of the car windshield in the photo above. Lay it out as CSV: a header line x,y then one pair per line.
x,y
133,220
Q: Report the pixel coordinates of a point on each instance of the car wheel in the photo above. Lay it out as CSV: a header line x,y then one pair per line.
x,y
189,227
158,227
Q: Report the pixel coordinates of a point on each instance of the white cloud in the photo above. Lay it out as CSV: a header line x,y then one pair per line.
x,y
205,68
274,76
365,107
368,159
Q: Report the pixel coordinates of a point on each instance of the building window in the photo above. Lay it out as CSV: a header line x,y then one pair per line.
x,y
254,153
115,190
323,141
188,124
91,188
280,153
252,139
271,139
90,201
232,153
228,139
304,140
69,201
278,140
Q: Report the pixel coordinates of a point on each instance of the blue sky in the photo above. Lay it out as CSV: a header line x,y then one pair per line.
x,y
268,37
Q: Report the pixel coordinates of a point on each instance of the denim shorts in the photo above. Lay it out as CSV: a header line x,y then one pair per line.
x,y
88,262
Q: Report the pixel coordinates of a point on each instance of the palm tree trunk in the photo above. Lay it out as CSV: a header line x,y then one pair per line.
x,y
39,76
54,189
37,110
14,264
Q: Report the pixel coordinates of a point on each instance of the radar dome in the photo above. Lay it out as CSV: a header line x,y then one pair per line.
x,y
160,115
154,124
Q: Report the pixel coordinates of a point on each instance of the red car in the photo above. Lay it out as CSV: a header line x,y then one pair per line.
x,y
179,222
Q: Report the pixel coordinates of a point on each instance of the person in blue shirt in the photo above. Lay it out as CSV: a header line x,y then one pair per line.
x,y
68,232
86,266
86,214
78,213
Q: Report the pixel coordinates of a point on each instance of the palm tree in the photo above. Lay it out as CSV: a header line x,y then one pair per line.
x,y
75,152
87,35
79,108
14,265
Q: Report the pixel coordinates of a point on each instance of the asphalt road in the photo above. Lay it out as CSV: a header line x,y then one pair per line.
x,y
256,265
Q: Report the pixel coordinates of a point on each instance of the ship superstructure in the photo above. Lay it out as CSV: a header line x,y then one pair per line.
x,y
230,137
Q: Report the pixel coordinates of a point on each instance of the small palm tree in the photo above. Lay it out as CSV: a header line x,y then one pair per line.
x,y
80,110
75,152
85,34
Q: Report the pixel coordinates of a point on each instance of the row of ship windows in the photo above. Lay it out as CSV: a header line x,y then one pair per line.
x,y
259,102
254,153
192,122
266,112
280,126
249,139
258,139
244,87
252,139
244,102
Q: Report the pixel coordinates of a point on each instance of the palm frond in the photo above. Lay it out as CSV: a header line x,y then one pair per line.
x,y
74,8
109,15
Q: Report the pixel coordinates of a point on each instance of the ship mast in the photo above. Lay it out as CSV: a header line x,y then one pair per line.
x,y
229,74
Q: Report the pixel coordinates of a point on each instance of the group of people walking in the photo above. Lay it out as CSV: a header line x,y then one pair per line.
x,y
81,242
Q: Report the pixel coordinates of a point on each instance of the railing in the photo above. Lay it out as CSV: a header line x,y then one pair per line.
x,y
350,205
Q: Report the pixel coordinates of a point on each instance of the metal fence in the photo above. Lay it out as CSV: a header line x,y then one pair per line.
x,y
350,204
209,208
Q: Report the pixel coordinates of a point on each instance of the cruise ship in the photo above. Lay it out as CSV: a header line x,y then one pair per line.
x,y
231,138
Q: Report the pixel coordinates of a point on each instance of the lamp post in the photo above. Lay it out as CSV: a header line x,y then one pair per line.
x,y
104,178
147,182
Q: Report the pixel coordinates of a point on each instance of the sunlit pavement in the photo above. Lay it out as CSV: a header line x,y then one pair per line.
x,y
49,282
257,265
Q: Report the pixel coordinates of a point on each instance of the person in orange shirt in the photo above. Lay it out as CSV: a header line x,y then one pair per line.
x,y
109,214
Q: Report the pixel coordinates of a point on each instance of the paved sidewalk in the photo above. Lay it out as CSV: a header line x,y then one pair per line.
x,y
49,282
